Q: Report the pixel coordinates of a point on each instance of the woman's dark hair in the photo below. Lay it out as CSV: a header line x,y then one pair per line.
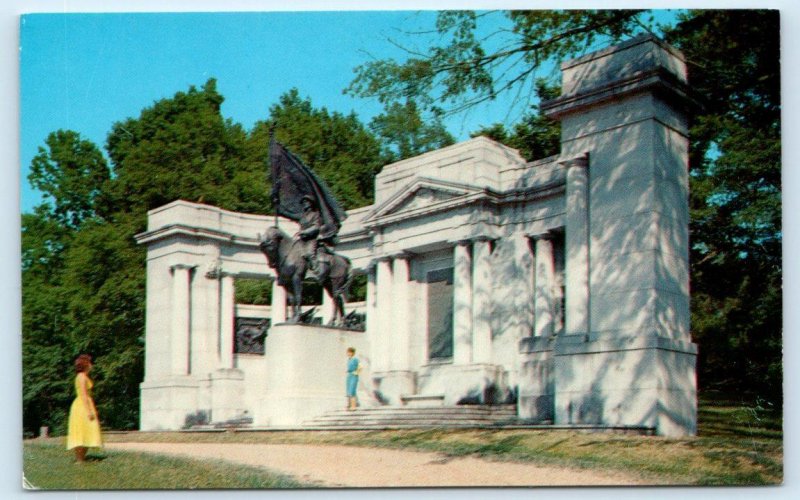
x,y
82,363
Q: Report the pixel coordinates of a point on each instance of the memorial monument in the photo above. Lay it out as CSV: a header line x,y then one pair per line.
x,y
559,285
299,195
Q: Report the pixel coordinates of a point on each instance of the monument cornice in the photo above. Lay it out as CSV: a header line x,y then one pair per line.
x,y
484,196
658,80
182,230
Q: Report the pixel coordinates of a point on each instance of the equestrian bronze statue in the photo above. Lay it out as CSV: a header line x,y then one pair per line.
x,y
298,194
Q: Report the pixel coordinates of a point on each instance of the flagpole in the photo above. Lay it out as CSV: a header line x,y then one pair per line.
x,y
269,155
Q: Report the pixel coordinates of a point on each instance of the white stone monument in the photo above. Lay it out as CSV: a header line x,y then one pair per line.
x,y
560,285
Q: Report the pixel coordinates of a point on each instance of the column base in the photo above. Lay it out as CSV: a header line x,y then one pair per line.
x,y
227,391
391,386
536,398
643,381
168,404
479,384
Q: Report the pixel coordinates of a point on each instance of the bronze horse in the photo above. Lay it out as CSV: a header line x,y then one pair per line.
x,y
285,256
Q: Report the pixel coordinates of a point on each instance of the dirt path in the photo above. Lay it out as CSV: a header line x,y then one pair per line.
x,y
350,466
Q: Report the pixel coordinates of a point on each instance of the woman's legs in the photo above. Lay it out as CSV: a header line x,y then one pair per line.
x,y
80,454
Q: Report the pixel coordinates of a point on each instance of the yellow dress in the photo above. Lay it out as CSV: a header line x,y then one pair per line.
x,y
82,431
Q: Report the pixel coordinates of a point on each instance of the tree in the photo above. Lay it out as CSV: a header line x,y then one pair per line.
x,y
464,67
406,134
45,340
735,202
70,173
180,147
535,136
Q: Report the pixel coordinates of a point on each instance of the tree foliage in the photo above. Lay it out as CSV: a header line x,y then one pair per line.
x,y
535,136
405,133
70,172
465,67
735,198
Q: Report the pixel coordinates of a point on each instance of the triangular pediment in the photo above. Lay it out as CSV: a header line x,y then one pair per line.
x,y
420,195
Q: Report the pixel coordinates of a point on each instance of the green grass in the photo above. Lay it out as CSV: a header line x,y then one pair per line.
x,y
50,466
737,444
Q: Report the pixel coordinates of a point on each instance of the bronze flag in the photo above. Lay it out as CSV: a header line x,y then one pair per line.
x,y
291,181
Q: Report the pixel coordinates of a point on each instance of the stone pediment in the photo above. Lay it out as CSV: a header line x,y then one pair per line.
x,y
421,196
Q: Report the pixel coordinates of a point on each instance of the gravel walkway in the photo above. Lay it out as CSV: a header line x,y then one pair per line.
x,y
350,466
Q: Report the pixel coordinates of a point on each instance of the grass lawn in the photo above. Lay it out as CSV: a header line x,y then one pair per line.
x,y
736,444
49,466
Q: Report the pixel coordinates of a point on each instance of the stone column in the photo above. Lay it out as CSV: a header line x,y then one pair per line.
x,y
181,310
385,303
278,303
525,301
462,303
535,397
226,320
397,379
577,246
372,311
401,313
481,301
545,281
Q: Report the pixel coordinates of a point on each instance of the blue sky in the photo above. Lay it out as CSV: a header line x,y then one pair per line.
x,y
86,71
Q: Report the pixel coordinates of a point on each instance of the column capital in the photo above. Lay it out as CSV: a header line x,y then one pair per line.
x,y
181,267
462,242
404,255
484,238
577,161
544,235
214,270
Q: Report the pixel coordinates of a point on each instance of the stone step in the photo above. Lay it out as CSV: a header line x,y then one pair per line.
x,y
395,423
407,417
475,414
510,409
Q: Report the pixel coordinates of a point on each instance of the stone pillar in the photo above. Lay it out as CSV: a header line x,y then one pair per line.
x,y
627,106
481,301
181,311
462,303
536,388
545,282
577,247
398,379
371,311
383,284
525,301
226,320
401,313
278,303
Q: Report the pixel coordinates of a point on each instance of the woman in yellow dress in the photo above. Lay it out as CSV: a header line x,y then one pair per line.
x,y
84,426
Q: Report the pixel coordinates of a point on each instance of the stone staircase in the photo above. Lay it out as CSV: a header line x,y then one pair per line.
x,y
407,417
